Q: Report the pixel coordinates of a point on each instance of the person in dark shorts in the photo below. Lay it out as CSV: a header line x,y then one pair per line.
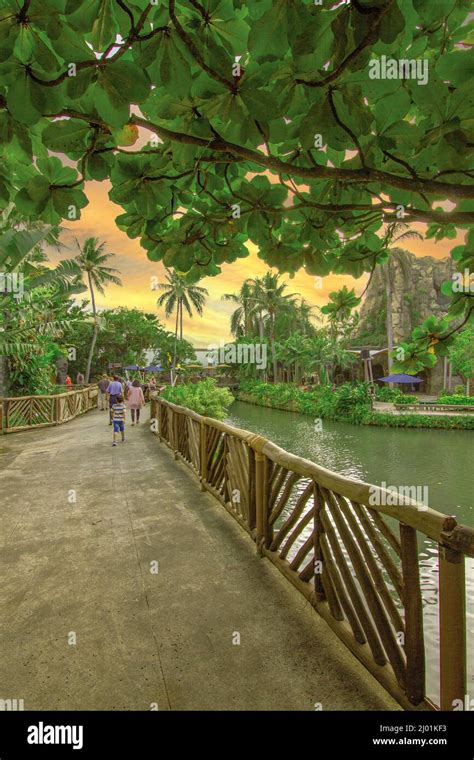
x,y
118,419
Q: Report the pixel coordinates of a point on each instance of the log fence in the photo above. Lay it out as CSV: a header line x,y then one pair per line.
x,y
26,412
344,544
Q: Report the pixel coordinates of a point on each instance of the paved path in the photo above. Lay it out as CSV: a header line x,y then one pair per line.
x,y
83,570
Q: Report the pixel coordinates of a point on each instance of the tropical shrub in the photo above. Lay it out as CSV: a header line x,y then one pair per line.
x,y
458,391
387,394
349,402
459,400
407,398
33,373
203,397
416,420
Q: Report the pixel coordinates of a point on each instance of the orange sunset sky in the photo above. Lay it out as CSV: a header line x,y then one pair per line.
x,y
137,271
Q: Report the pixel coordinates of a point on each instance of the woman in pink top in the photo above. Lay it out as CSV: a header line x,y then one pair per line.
x,y
135,400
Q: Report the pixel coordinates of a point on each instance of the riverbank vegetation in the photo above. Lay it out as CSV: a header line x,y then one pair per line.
x,y
349,402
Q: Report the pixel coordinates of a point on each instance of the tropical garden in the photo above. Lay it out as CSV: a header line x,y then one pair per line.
x,y
219,123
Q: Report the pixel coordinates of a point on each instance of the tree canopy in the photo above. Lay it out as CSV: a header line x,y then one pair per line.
x,y
265,120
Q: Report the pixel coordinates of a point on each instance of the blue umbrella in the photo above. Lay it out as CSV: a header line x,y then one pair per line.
x,y
400,379
153,368
132,367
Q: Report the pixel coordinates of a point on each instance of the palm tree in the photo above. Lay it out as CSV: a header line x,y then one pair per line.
x,y
241,321
296,317
178,292
91,262
396,232
269,298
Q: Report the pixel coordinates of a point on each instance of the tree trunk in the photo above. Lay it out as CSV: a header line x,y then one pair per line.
x,y
181,320
274,360
175,344
4,366
91,352
96,330
3,376
389,321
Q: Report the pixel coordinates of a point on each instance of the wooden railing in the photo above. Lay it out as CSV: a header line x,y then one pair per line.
x,y
354,557
25,412
426,406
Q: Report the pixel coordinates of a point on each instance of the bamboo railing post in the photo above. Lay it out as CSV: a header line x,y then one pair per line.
x,y
175,434
251,500
161,414
318,555
225,457
414,642
267,528
57,411
452,627
202,454
1,417
172,431
259,476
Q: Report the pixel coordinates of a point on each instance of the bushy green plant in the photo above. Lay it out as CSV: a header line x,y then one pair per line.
x,y
387,394
203,397
407,398
33,373
416,420
348,402
459,400
459,390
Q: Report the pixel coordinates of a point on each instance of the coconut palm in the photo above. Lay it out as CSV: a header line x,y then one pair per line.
x,y
179,292
241,321
270,299
91,262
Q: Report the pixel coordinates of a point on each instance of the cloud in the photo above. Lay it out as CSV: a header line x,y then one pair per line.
x,y
136,271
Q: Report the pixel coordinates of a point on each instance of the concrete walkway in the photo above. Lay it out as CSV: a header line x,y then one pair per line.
x,y
80,524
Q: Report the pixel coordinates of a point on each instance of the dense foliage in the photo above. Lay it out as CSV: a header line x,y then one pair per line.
x,y
456,400
123,337
347,403
34,306
417,420
407,398
204,398
461,354
267,313
265,123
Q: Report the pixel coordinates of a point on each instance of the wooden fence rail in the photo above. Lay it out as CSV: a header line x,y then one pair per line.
x,y
344,544
25,412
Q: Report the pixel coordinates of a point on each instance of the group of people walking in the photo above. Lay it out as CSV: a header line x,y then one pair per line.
x,y
117,396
